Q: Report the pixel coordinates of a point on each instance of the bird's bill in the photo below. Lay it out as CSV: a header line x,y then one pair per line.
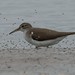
x,y
14,31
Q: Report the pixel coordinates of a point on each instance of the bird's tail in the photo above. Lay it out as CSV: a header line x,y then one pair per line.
x,y
65,33
70,33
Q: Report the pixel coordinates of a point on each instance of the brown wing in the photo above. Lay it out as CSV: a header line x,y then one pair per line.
x,y
40,34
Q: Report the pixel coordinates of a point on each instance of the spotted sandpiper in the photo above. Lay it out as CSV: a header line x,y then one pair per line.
x,y
41,37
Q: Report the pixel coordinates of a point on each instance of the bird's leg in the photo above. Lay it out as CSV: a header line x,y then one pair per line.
x,y
37,47
49,46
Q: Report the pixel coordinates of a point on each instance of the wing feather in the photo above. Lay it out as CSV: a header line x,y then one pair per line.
x,y
43,34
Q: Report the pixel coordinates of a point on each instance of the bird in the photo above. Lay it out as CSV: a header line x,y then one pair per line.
x,y
41,37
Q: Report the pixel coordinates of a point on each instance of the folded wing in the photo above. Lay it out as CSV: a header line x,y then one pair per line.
x,y
40,34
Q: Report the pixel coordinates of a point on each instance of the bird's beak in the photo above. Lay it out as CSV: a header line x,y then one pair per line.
x,y
14,31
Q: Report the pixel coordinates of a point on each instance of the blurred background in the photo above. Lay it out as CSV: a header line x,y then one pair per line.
x,y
52,14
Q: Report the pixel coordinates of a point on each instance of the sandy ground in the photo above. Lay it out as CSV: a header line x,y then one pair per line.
x,y
45,61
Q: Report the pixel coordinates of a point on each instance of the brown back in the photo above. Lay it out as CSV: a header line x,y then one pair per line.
x,y
40,34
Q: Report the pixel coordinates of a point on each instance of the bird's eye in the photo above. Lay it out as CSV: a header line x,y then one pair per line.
x,y
22,26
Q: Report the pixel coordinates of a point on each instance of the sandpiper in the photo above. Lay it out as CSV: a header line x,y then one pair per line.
x,y
41,37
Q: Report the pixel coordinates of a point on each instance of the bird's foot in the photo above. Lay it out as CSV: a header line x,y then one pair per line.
x,y
37,48
49,46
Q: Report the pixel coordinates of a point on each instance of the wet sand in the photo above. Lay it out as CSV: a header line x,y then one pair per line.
x,y
45,61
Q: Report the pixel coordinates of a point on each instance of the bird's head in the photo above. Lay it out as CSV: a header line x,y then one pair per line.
x,y
22,27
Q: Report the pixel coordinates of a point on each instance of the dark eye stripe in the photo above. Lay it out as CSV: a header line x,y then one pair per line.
x,y
22,26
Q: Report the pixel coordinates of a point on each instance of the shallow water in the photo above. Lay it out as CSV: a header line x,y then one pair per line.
x,y
52,14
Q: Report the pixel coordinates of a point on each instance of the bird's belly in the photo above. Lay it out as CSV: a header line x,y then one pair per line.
x,y
43,43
